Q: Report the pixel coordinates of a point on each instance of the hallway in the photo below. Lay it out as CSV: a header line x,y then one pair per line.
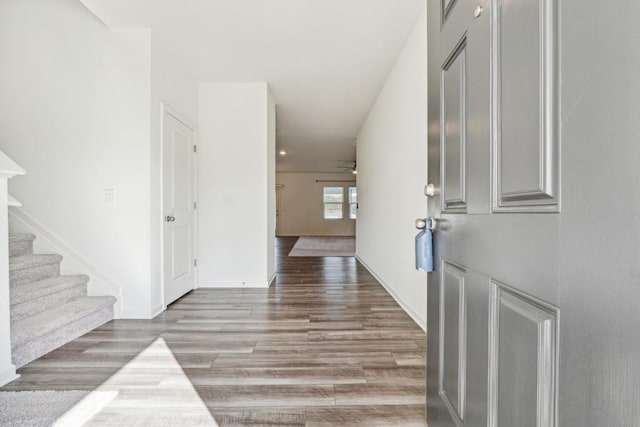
x,y
325,345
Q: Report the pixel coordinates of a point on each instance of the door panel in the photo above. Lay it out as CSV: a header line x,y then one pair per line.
x,y
523,359
181,153
453,89
526,132
499,374
446,8
550,283
478,112
181,252
520,122
452,346
178,206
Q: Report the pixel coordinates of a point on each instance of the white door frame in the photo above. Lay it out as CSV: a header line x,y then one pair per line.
x,y
168,109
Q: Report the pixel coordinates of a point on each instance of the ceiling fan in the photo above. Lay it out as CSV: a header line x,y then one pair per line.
x,y
353,169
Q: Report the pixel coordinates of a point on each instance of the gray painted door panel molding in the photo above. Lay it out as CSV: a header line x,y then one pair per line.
x,y
525,116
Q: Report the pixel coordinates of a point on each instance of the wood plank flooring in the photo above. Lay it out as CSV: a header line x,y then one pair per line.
x,y
326,345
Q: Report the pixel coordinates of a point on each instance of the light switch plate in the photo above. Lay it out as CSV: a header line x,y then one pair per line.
x,y
110,196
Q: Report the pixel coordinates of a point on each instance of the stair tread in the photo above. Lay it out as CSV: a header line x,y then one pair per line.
x,y
41,288
41,324
19,237
28,261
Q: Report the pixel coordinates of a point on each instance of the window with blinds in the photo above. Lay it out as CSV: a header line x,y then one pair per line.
x,y
333,198
353,202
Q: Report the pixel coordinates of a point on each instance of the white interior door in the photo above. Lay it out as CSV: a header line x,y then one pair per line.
x,y
179,207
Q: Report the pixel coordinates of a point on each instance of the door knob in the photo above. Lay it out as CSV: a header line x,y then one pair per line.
x,y
430,190
170,218
422,223
478,11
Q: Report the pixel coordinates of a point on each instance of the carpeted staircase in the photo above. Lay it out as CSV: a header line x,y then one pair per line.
x,y
47,309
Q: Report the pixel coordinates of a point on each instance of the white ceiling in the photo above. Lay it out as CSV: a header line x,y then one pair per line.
x,y
325,60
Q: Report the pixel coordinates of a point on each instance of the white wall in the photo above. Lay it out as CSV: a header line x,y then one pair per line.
x,y
236,185
74,112
271,185
302,208
392,170
176,87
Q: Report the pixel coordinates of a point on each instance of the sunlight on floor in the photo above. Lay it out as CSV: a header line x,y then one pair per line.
x,y
151,390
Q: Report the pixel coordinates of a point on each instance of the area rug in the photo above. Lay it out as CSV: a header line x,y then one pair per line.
x,y
324,247
36,408
50,408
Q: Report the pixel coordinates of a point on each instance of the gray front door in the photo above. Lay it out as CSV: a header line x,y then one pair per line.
x,y
512,256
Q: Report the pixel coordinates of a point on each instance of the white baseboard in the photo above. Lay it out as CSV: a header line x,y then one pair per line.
x,y
221,284
420,321
8,374
137,313
315,235
157,310
72,263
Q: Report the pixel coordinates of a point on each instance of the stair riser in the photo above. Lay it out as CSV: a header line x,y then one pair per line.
x,y
33,274
38,305
32,350
21,247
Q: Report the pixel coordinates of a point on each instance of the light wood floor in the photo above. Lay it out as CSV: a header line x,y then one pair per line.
x,y
325,346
